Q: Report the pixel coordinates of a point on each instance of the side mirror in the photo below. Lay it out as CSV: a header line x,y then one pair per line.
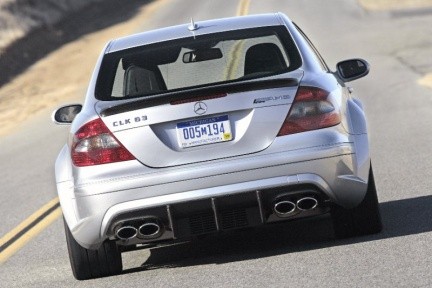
x,y
352,69
66,114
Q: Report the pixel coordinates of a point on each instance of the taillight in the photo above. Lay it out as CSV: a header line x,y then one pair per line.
x,y
94,144
312,109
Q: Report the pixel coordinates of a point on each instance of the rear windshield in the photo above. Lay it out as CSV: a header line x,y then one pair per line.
x,y
195,62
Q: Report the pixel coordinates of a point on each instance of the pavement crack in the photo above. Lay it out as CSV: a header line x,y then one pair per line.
x,y
409,65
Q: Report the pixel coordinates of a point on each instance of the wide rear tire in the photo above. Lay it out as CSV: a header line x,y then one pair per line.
x,y
362,220
88,264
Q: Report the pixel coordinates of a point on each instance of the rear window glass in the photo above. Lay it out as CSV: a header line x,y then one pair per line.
x,y
194,62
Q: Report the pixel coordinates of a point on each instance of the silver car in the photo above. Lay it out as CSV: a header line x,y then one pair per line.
x,y
210,127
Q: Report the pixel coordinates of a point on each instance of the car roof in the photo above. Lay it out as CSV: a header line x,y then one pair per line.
x,y
203,27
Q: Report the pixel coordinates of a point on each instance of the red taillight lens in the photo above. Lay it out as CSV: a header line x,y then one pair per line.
x,y
94,144
311,110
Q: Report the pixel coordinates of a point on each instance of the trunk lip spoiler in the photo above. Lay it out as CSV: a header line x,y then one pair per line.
x,y
166,98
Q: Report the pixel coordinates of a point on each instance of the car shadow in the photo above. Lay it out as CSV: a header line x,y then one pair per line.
x,y
26,51
400,218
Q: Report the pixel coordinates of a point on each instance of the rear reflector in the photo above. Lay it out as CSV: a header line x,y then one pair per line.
x,y
311,110
94,144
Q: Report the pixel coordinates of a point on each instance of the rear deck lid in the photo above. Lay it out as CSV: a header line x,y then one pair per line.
x,y
200,98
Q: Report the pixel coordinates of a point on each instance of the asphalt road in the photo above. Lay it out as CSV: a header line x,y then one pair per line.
x,y
300,254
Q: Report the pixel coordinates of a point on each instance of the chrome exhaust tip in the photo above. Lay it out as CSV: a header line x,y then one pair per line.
x,y
150,230
126,232
284,208
307,203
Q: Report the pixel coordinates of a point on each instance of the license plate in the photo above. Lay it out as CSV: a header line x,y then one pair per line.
x,y
204,131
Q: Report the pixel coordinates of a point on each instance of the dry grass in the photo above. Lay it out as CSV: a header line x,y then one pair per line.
x,y
62,76
19,17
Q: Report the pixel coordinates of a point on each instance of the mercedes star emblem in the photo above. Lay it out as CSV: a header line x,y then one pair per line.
x,y
200,108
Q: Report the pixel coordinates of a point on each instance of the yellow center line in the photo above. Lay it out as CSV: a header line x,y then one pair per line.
x,y
28,221
243,7
234,60
30,234
242,10
28,229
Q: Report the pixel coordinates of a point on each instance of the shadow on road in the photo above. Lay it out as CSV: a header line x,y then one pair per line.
x,y
400,218
28,50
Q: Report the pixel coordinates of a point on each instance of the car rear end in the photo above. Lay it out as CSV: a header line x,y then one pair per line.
x,y
217,127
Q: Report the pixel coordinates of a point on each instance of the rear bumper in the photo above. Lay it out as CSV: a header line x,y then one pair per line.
x,y
333,170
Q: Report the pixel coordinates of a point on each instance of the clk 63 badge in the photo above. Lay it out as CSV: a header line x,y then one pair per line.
x,y
129,121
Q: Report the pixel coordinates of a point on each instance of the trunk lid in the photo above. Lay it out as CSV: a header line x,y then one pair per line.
x,y
202,124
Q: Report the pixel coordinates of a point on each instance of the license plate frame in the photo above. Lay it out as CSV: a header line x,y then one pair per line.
x,y
205,131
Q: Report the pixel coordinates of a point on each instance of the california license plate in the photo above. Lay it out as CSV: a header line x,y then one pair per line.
x,y
204,131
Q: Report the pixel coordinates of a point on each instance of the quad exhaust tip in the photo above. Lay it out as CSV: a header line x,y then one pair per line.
x,y
307,203
150,230
287,208
126,232
284,208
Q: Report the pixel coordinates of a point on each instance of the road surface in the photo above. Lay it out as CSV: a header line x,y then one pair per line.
x,y
301,254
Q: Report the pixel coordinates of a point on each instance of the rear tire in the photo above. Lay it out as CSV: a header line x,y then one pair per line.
x,y
88,264
362,220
